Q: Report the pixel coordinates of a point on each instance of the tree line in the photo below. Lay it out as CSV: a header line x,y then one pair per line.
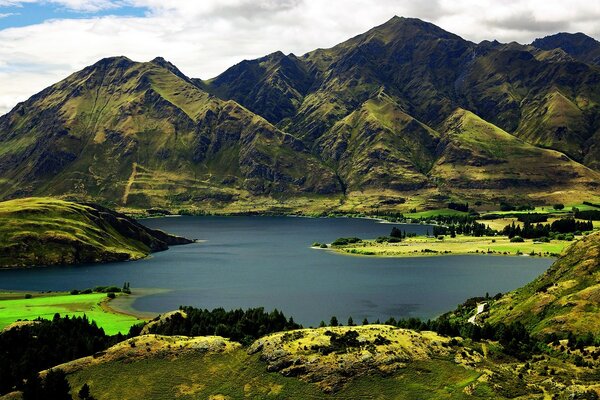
x,y
535,231
244,326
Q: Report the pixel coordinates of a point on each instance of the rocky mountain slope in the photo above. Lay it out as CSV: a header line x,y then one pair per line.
x,y
42,231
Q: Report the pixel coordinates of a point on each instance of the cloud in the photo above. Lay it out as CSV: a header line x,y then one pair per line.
x,y
205,37
4,15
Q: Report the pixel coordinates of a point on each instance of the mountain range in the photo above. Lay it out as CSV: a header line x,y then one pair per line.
x,y
405,113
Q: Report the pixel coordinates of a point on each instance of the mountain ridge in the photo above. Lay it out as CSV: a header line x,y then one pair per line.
x,y
367,115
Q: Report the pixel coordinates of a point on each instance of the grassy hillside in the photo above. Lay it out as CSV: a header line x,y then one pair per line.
x,y
159,367
44,231
480,156
564,299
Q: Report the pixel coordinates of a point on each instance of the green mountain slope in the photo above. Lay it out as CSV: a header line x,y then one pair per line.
x,y
566,298
42,231
477,155
380,146
548,99
142,134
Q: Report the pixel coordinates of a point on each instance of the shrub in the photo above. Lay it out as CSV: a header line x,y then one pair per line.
x,y
345,241
323,246
75,292
28,296
559,206
517,239
111,295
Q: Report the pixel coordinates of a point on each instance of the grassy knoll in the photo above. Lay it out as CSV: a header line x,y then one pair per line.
x,y
424,246
46,305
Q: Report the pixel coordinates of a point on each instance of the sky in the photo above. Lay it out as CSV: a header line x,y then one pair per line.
x,y
43,41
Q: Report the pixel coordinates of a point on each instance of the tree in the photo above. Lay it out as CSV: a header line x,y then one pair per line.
x,y
333,321
365,322
84,393
350,321
559,206
56,386
396,233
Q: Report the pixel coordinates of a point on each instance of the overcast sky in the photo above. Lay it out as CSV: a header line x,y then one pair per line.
x,y
41,42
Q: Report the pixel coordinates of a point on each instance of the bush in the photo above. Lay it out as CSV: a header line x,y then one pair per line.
x,y
111,295
323,246
559,206
345,241
316,244
517,239
28,296
75,292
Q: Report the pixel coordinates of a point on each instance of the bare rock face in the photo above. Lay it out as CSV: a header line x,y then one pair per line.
x,y
332,356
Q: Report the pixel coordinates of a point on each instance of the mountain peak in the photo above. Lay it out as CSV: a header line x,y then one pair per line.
x,y
411,27
578,45
116,61
161,62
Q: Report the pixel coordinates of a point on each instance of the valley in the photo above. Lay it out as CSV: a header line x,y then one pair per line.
x,y
404,215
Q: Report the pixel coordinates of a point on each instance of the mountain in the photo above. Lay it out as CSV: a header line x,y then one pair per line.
x,y
42,231
564,299
404,113
578,45
430,72
144,134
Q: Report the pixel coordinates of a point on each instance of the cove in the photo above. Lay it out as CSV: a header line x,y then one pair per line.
x,y
267,261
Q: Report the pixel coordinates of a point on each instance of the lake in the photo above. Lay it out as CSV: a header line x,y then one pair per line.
x,y
267,261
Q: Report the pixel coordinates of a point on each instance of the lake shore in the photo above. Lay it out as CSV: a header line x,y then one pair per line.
x,y
124,304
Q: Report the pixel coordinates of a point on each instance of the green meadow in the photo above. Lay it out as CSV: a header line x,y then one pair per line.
x,y
45,305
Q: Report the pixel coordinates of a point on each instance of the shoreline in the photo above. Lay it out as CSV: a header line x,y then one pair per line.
x,y
123,304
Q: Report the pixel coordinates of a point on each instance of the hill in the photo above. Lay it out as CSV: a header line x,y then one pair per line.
x,y
564,299
42,231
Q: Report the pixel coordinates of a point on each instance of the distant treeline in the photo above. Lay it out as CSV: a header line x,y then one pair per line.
x,y
587,203
472,228
561,226
593,215
459,206
239,325
504,206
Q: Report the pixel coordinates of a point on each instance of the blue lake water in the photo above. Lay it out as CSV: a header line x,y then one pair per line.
x,y
267,261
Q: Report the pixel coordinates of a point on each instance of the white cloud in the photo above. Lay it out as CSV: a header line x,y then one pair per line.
x,y
205,37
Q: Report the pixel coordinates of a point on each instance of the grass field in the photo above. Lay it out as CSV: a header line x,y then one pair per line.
x,y
423,246
46,305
